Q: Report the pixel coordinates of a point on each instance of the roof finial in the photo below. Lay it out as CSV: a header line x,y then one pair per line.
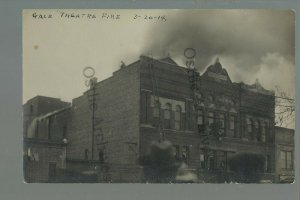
x,y
217,60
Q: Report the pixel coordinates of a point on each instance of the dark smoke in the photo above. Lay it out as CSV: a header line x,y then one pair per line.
x,y
243,36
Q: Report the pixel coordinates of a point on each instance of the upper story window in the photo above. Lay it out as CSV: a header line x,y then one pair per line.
x,y
200,117
211,118
249,126
177,117
263,132
257,130
167,111
156,109
232,124
199,97
167,115
222,121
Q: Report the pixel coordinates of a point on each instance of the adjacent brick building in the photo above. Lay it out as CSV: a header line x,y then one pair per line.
x,y
46,122
284,141
112,125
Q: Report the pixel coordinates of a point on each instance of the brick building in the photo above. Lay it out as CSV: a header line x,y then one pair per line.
x,y
284,141
46,121
112,125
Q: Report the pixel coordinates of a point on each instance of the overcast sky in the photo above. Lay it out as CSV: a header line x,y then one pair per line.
x,y
250,44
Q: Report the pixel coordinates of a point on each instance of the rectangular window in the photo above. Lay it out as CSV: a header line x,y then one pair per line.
x,y
211,118
263,133
289,163
177,118
268,163
211,160
222,121
249,126
286,161
221,160
185,154
167,114
232,123
144,107
202,159
176,152
156,109
52,170
200,118
282,160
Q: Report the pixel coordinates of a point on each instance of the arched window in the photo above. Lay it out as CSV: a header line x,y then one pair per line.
x,y
211,118
177,117
200,120
200,117
156,109
223,125
250,128
257,130
232,125
167,115
199,97
263,132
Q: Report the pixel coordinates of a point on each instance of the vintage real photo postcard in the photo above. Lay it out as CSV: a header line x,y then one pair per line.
x,y
158,96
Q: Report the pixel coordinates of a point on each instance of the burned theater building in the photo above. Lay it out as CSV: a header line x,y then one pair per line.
x,y
207,118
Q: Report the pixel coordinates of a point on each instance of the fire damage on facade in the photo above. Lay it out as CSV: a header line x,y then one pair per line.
x,y
208,119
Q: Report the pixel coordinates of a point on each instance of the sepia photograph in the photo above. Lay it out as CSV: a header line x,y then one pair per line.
x,y
158,96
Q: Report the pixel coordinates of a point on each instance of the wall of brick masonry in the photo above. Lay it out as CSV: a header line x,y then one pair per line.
x,y
42,154
284,141
116,119
170,81
38,106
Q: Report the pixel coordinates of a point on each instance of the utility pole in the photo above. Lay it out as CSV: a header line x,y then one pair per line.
x,y
89,72
93,119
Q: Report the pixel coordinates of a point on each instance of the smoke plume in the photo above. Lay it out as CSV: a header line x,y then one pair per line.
x,y
249,43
